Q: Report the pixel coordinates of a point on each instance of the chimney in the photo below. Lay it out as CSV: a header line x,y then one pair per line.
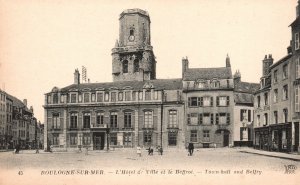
x,y
267,62
31,109
25,102
237,77
76,77
185,65
228,61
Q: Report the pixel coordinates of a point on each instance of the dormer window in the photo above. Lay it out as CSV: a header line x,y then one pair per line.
x,y
215,84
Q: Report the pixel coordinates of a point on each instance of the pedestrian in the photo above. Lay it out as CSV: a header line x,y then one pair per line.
x,y
150,151
51,148
191,149
139,151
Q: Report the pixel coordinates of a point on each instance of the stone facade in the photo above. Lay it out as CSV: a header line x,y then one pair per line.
x,y
277,103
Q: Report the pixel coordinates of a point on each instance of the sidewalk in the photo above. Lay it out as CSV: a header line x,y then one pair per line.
x,y
292,156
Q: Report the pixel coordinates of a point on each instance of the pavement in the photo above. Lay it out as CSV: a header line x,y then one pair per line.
x,y
288,156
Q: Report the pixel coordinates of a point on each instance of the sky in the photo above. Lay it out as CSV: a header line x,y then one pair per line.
x,y
42,42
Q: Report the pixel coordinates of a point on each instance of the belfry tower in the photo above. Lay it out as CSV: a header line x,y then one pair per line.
x,y
132,56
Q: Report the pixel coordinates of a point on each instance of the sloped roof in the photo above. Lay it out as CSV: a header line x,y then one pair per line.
x,y
285,58
246,87
243,98
167,84
17,102
207,73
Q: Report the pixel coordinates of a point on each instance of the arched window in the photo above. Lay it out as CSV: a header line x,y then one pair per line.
x,y
125,66
136,65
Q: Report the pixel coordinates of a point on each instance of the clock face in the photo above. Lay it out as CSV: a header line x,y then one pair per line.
x,y
131,38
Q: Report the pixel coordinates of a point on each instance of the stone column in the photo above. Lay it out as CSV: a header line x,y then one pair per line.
x,y
136,127
159,124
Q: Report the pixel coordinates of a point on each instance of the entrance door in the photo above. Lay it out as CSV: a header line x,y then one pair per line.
x,y
225,139
98,139
97,143
296,136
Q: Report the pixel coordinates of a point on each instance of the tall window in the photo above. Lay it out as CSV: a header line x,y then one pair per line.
x,y
86,120
266,97
113,120
148,119
127,96
125,66
215,84
120,96
55,139
113,96
148,95
258,120
73,98
73,139
243,115
56,121
222,119
265,119
172,119
55,98
206,135
193,119
258,101
136,65
193,136
73,120
86,139
147,138
86,97
127,139
100,118
106,96
223,101
201,85
285,115
285,71
285,95
276,117
140,95
298,67
113,139
297,42
194,101
206,119
275,95
275,74
99,97
127,119
172,138
207,101
297,99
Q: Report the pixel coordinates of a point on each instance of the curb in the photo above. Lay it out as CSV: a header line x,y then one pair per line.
x,y
281,157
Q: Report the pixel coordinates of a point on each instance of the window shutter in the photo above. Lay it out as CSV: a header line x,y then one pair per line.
x,y
218,101
228,118
189,102
212,119
189,119
211,101
249,115
217,119
227,100
200,119
241,133
241,115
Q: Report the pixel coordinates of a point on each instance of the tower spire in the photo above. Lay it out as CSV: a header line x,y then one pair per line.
x,y
228,61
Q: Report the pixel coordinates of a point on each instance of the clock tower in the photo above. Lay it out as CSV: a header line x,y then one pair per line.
x,y
133,57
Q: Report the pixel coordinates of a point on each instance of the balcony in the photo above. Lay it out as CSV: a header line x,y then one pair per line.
x,y
223,126
73,128
172,127
127,128
99,126
114,128
148,127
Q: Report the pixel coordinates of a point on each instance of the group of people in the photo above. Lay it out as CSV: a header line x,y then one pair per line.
x,y
150,150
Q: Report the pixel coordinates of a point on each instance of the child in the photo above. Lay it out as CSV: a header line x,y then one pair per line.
x,y
139,151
